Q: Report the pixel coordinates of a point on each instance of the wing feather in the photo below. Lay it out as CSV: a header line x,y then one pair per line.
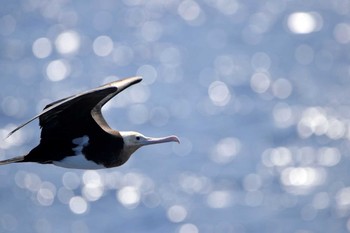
x,y
79,108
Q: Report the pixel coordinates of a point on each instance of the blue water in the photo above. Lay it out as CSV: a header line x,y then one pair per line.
x,y
257,92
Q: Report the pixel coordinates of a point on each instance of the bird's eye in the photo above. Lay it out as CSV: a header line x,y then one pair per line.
x,y
137,138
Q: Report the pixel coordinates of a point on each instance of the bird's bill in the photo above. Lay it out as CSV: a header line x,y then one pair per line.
x,y
172,138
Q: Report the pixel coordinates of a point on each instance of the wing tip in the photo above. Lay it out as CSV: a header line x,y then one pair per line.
x,y
14,131
10,133
124,83
134,79
131,81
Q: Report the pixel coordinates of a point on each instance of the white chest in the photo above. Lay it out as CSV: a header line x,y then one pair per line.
x,y
78,160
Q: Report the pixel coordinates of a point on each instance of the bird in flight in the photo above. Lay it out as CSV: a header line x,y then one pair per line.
x,y
74,133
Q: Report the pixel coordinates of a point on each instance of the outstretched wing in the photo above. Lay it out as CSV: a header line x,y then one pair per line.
x,y
79,109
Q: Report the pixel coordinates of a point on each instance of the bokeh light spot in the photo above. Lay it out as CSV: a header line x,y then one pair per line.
x,y
260,82
314,120
70,180
283,115
189,10
219,199
329,156
46,194
299,179
78,205
177,213
280,156
102,46
67,42
343,198
304,22
42,47
57,70
188,228
342,33
129,197
219,93
281,88
93,186
226,150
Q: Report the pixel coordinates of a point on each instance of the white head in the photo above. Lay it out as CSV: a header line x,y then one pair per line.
x,y
134,140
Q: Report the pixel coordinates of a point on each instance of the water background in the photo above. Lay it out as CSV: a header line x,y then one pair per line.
x,y
257,92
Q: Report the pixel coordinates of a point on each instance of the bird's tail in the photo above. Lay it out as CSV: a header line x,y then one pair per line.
x,y
12,160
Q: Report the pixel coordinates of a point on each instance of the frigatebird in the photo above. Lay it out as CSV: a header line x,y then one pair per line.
x,y
74,133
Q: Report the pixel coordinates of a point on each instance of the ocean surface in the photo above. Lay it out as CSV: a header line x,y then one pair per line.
x,y
257,91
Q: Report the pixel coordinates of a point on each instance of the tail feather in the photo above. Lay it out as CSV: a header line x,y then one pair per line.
x,y
12,160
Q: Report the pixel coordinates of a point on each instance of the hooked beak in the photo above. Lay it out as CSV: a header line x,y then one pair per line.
x,y
172,138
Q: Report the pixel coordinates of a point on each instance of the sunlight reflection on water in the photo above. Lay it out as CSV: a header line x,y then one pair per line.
x,y
257,94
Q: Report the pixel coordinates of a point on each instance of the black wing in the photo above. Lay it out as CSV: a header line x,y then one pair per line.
x,y
79,109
